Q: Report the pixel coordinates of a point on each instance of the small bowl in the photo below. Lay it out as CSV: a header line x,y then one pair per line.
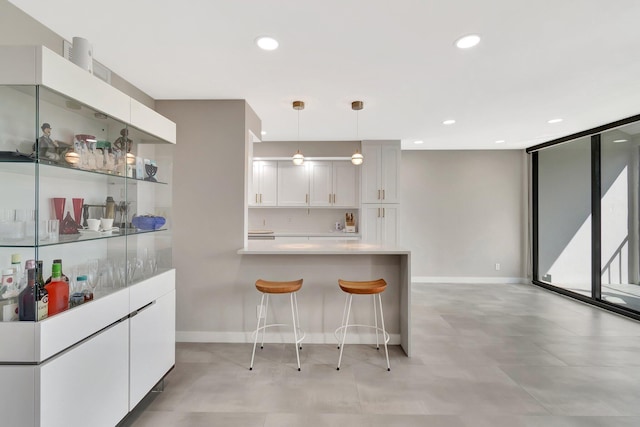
x,y
148,222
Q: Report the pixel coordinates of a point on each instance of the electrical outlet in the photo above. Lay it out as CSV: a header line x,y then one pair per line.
x,y
260,313
497,266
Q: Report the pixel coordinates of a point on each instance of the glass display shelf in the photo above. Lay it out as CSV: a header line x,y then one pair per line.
x,y
84,236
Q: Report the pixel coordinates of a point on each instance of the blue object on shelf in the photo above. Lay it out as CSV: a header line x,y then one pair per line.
x,y
148,222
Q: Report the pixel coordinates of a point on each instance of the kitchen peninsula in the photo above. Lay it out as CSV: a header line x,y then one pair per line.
x,y
321,264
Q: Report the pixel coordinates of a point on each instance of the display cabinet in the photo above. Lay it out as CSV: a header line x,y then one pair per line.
x,y
86,177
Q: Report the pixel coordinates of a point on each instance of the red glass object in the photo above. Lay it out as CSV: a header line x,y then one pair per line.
x,y
77,210
58,207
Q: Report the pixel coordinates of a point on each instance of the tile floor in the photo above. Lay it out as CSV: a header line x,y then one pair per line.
x,y
484,356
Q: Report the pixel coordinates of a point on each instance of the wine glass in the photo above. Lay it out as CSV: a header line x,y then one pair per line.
x,y
92,274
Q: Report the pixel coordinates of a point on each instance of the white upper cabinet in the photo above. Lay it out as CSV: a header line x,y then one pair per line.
x,y
345,184
321,183
333,183
37,65
379,223
380,169
293,184
264,189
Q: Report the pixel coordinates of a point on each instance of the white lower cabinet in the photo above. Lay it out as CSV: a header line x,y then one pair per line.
x,y
87,385
105,372
379,224
153,339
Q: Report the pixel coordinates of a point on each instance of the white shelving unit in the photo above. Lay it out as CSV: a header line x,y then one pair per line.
x,y
90,364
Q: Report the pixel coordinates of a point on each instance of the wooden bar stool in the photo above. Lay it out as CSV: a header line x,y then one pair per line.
x,y
267,288
374,287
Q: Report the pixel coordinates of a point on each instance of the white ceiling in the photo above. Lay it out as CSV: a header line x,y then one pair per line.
x,y
538,60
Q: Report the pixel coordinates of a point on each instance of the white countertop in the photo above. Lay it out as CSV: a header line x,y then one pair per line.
x,y
320,247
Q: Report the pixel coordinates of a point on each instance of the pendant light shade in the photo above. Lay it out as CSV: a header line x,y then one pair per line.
x,y
298,158
357,158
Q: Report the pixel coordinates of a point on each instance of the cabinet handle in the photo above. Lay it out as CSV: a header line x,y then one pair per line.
x,y
382,212
378,194
306,198
329,198
334,198
382,194
256,197
378,212
260,197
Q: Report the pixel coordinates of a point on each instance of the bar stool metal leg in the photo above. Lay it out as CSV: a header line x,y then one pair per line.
x,y
255,340
346,327
295,330
344,312
384,333
375,320
264,325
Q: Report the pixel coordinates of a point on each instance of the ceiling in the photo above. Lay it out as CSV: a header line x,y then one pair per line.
x,y
578,60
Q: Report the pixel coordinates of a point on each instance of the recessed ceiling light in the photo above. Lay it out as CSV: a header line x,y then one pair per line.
x,y
468,41
620,140
264,132
267,43
500,141
552,121
418,142
448,122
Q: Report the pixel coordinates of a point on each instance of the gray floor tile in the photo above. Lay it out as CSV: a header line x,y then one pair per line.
x,y
484,355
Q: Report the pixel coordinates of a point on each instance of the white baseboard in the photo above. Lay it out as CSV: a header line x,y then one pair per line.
x,y
471,280
246,337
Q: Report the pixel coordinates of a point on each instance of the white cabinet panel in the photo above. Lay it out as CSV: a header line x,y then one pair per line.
x,y
379,224
380,171
264,184
345,184
152,345
16,400
293,184
320,183
89,384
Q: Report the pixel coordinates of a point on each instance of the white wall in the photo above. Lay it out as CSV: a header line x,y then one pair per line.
x,y
464,211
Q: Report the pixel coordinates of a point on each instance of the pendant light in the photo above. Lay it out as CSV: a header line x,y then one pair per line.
x,y
298,158
357,157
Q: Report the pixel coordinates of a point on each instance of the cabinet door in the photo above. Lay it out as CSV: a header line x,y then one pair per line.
x,y
293,184
254,191
152,346
389,169
268,183
345,184
389,225
371,191
370,223
320,183
89,384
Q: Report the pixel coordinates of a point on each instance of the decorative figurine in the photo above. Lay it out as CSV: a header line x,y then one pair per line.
x,y
48,148
123,143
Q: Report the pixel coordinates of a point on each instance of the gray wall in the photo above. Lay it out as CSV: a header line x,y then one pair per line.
x,y
18,28
464,211
209,201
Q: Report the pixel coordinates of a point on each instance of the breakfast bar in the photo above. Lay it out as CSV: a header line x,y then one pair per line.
x,y
321,264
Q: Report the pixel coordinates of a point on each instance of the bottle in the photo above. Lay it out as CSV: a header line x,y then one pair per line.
x,y
42,295
110,208
8,296
26,299
17,269
83,285
65,278
58,291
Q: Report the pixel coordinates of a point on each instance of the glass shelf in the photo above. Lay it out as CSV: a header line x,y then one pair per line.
x,y
73,238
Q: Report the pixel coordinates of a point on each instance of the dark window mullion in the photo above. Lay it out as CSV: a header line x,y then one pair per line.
x,y
596,227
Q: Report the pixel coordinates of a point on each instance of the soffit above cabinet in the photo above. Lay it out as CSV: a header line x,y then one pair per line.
x,y
37,65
